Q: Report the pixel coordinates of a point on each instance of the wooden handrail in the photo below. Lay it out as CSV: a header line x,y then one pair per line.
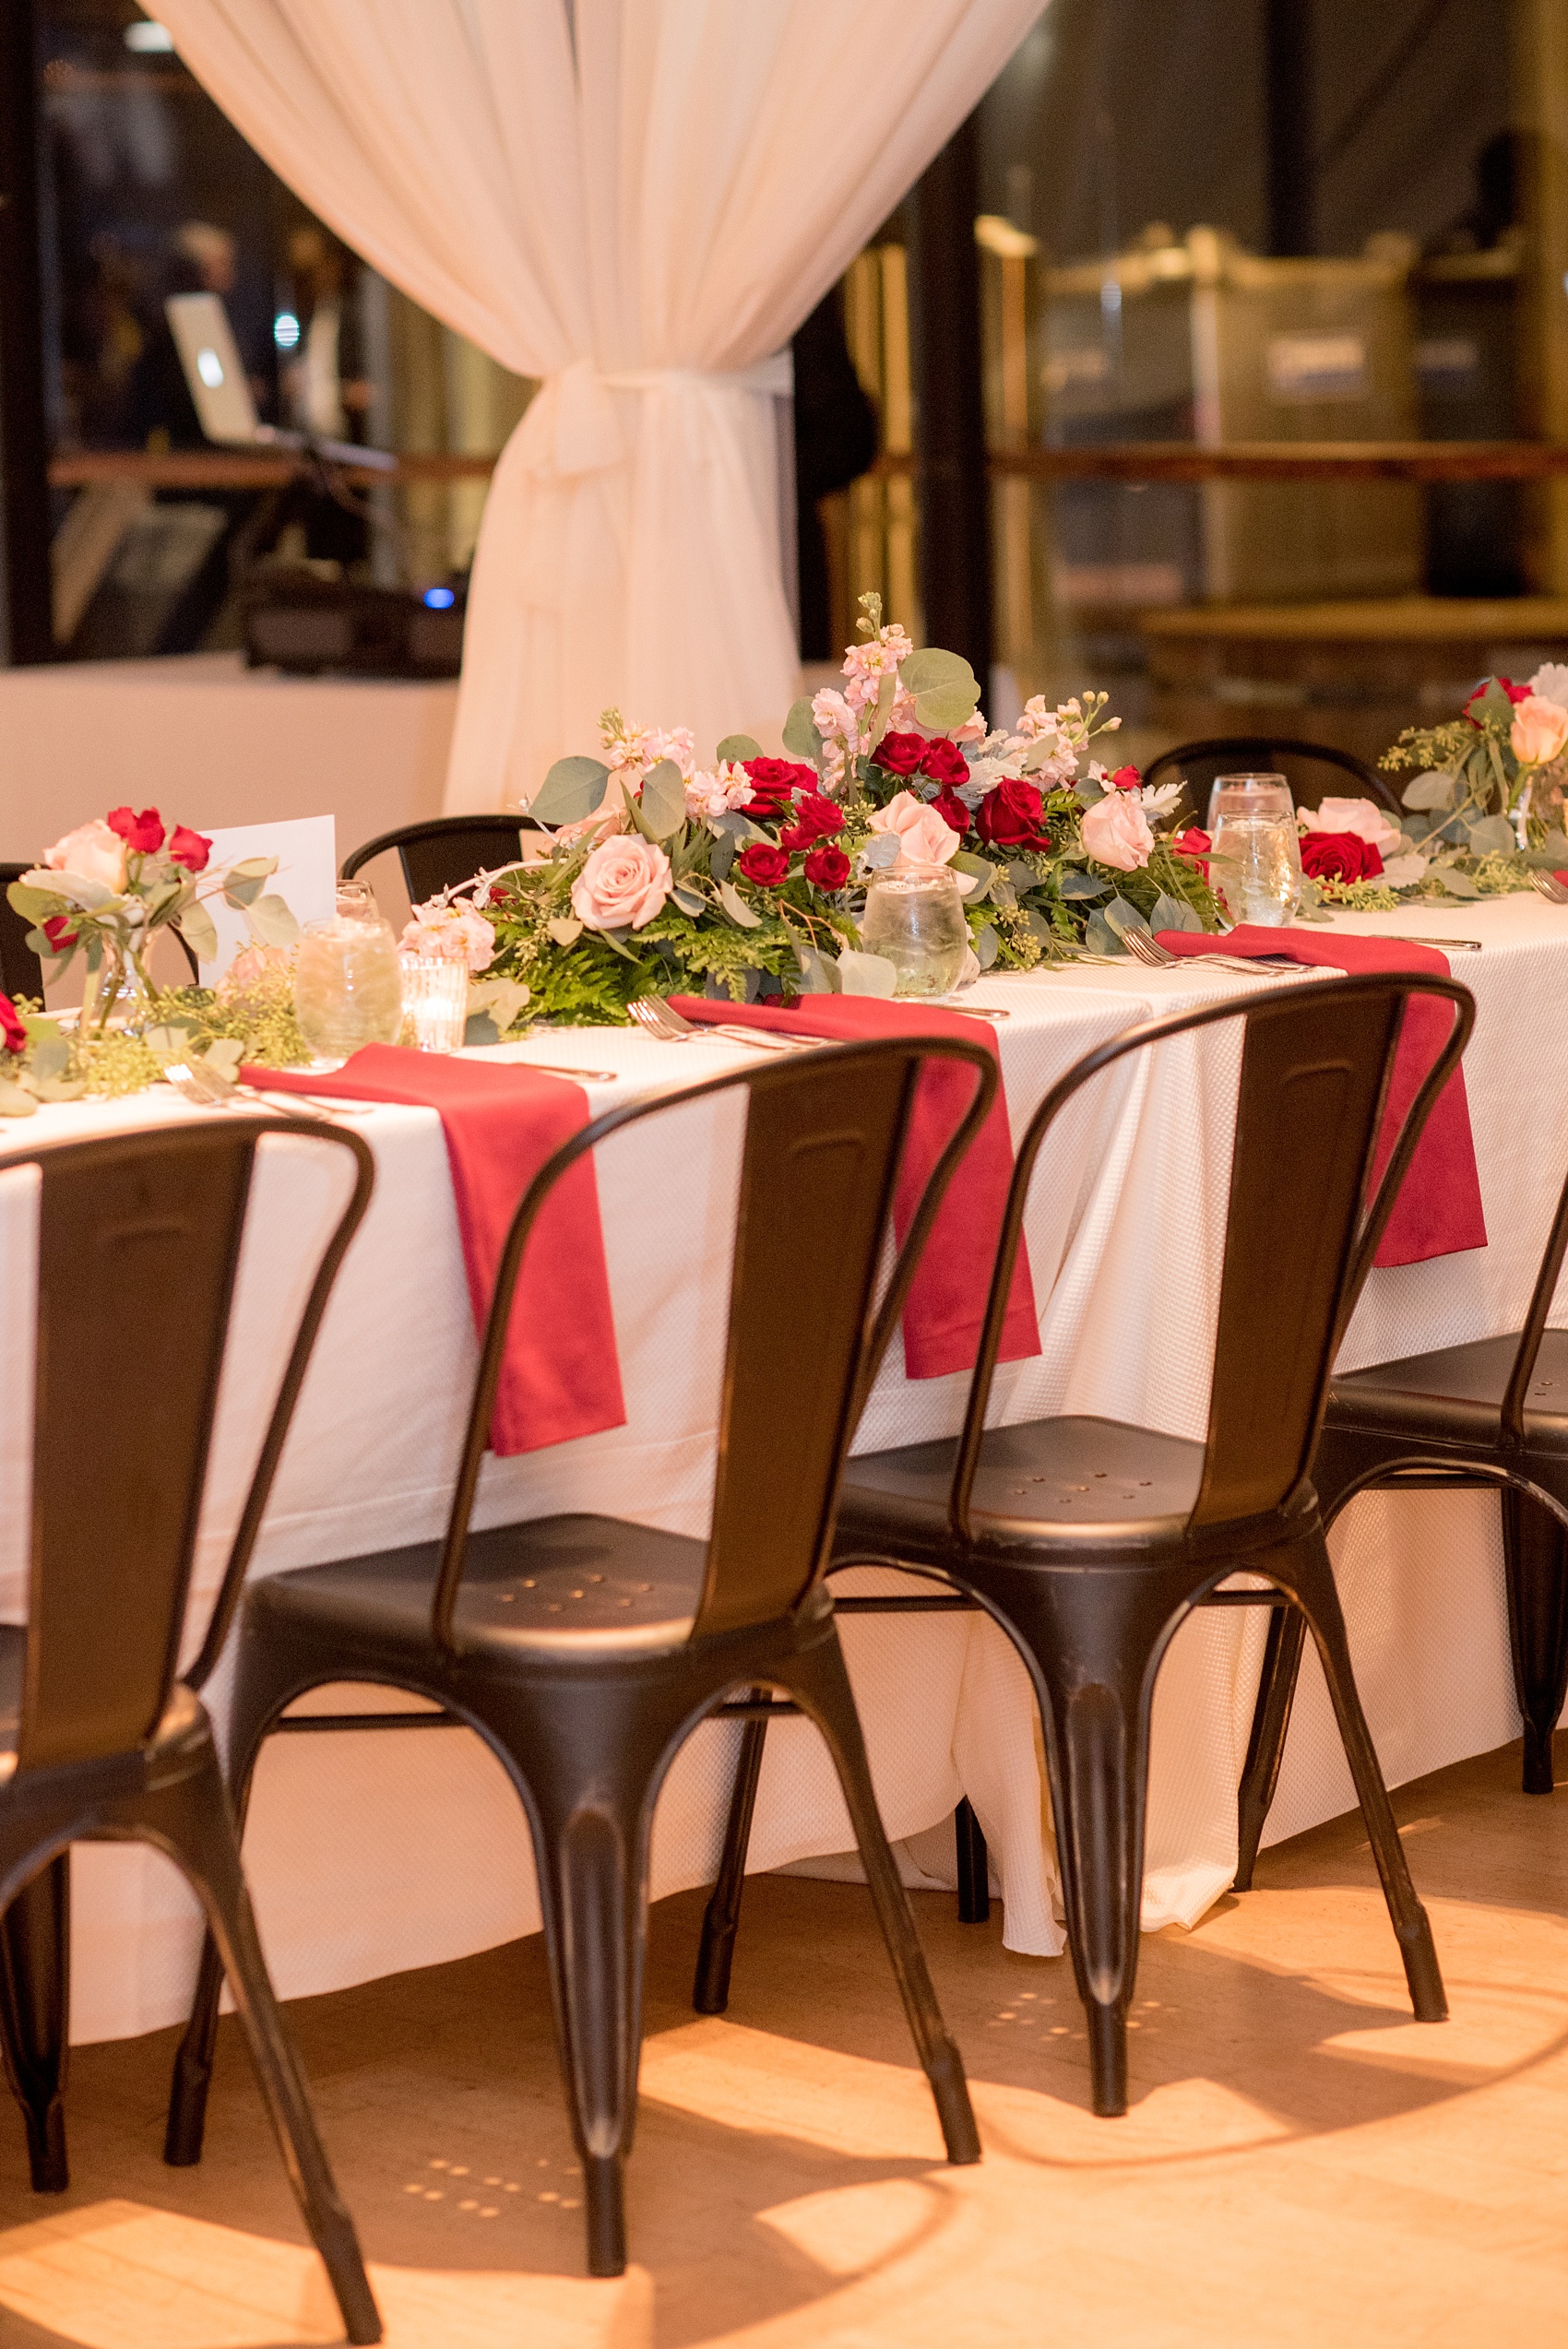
x,y
199,468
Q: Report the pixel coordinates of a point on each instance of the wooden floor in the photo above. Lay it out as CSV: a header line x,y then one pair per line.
x,y
1302,2162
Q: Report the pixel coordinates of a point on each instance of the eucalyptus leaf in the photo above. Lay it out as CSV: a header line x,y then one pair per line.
x,y
737,909
14,1102
270,923
945,688
565,929
1492,836
1023,876
819,974
738,748
801,737
985,947
1121,917
1173,913
1099,938
689,902
979,870
91,896
1458,884
737,826
252,869
198,929
722,856
243,889
1039,929
39,945
224,1054
866,974
1435,788
51,1059
33,905
573,789
502,1001
1553,849
663,799
1074,884
478,1028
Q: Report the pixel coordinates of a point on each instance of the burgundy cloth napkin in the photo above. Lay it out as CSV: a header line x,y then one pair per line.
x,y
1438,1212
945,1307
560,1373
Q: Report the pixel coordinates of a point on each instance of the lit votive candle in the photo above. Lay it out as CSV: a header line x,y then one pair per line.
x,y
435,1000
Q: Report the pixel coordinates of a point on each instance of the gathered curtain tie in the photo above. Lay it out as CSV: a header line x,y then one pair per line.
x,y
572,426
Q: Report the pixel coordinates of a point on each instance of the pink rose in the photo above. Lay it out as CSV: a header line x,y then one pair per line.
x,y
1364,817
1116,832
924,837
93,852
1540,731
622,885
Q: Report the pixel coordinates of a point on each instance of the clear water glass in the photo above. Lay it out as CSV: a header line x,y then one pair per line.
x,y
435,1000
914,917
1257,872
348,986
1247,795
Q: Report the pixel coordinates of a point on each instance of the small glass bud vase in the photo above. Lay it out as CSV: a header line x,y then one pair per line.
x,y
914,917
435,1000
347,986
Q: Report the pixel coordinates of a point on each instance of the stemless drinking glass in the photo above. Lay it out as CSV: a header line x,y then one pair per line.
x,y
914,915
347,988
435,1000
1257,871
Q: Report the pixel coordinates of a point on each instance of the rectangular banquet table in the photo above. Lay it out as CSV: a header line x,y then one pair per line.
x,y
370,1853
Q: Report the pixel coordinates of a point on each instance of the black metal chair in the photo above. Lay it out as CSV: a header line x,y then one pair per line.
x,y
1089,1541
99,1736
585,1650
1315,771
21,973
446,851
1491,1413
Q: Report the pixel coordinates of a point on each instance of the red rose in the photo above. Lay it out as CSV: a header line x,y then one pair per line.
x,y
944,762
780,775
58,932
1125,778
143,833
1514,693
1191,843
951,809
14,1035
827,868
189,849
900,754
763,864
816,818
1012,815
1340,856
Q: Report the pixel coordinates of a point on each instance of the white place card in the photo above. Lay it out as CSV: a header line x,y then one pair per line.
x,y
306,878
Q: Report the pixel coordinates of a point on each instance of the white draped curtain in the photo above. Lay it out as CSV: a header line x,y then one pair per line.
x,y
638,201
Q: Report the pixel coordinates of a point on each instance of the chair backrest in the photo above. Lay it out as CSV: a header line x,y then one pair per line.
x,y
1304,1217
824,1136
1315,771
139,1242
446,851
21,973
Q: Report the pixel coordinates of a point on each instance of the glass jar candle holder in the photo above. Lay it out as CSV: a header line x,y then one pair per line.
x,y
1256,871
435,1000
347,988
914,917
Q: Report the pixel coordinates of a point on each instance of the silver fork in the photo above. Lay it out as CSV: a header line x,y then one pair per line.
x,y
661,1019
1550,887
1149,950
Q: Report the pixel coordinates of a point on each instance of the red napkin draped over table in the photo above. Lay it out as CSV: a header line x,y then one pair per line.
x,y
1438,1212
559,1374
945,1307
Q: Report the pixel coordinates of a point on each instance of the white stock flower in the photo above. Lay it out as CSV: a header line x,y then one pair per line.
x,y
1550,682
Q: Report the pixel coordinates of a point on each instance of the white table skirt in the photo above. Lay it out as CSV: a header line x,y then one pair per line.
x,y
370,1854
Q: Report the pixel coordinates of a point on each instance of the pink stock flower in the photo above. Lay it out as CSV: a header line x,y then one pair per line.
x,y
622,885
924,837
1116,832
93,852
455,931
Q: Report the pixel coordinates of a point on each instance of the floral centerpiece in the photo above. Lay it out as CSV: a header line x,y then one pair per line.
x,y
747,878
1484,806
106,889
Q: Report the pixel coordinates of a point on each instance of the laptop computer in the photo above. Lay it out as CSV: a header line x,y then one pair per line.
x,y
221,390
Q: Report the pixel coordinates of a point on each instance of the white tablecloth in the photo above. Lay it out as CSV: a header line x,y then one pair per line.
x,y
369,1854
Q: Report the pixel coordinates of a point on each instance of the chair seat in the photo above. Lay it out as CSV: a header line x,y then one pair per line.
x,y
554,1585
1454,1395
1079,1482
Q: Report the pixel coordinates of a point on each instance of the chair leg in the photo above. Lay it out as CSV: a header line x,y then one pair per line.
x,y
195,1816
722,1918
1271,1718
1535,1551
186,2125
816,1677
1312,1578
34,1994
974,1867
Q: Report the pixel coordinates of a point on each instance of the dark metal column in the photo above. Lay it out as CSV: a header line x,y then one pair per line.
x,y
27,631
1290,126
944,324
